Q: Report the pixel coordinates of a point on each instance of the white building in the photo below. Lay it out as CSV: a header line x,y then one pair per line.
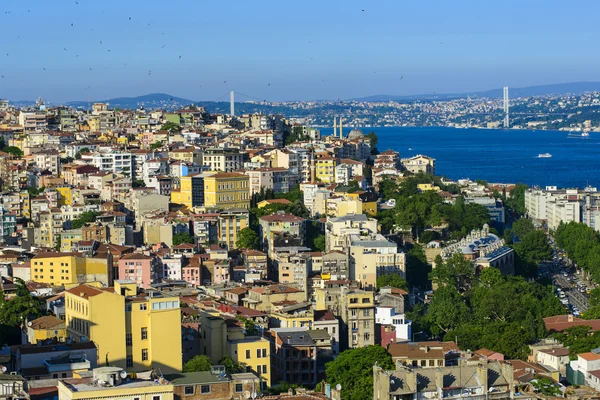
x,y
338,230
387,316
119,162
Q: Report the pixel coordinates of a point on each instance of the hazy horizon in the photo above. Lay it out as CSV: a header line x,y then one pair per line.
x,y
284,52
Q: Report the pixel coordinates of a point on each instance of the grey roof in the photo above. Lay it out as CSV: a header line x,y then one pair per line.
x,y
371,241
319,334
188,378
350,217
297,338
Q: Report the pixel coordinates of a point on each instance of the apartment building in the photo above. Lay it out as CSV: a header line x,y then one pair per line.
x,y
419,164
226,190
223,159
372,256
337,230
133,331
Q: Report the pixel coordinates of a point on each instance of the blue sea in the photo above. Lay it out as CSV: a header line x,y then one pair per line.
x,y
501,156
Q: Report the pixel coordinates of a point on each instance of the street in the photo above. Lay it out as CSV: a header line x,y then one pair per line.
x,y
571,288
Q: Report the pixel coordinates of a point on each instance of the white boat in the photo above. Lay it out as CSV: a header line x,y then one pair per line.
x,y
544,155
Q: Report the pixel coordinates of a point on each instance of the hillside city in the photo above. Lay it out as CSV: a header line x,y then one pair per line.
x,y
167,254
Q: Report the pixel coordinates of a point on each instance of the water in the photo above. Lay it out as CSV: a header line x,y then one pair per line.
x,y
505,156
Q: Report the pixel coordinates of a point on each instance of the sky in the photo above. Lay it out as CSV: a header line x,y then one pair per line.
x,y
278,50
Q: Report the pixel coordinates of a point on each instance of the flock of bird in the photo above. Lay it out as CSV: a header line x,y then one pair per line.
x,y
125,64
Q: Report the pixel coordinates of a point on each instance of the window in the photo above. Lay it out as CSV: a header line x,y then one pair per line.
x,y
128,307
264,369
143,307
129,361
153,398
205,389
259,369
258,353
144,333
128,339
367,313
264,353
188,390
239,387
144,354
247,354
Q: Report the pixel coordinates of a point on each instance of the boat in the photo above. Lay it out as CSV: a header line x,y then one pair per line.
x,y
582,135
544,155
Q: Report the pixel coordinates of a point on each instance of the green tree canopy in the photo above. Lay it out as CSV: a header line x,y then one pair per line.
x,y
522,227
531,250
318,243
353,369
197,363
15,151
84,218
247,239
393,280
172,127
183,237
231,366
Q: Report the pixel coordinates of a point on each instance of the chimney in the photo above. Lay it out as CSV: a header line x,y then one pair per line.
x,y
570,318
482,375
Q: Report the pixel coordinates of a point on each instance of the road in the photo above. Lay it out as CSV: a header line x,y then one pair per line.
x,y
570,283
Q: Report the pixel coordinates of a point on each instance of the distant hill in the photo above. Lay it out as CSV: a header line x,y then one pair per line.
x,y
150,101
541,90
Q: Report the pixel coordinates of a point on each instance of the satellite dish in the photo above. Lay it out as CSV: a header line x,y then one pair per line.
x,y
247,394
338,387
123,374
4,369
29,323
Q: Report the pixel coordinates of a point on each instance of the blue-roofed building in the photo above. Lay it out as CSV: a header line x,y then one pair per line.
x,y
485,250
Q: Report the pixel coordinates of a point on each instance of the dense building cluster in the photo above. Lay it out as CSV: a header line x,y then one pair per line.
x,y
170,254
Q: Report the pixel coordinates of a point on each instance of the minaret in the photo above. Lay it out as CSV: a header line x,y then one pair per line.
x,y
334,126
231,104
341,130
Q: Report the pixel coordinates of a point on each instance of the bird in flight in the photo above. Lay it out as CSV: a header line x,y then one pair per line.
x,y
28,11
149,72
101,42
224,81
64,48
6,54
401,77
269,84
44,69
71,24
77,3
90,69
130,18
163,46
179,57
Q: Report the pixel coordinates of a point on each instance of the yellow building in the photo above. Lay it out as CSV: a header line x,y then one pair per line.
x,y
59,269
68,238
424,187
115,388
94,123
46,327
254,352
183,196
136,332
325,169
66,196
226,190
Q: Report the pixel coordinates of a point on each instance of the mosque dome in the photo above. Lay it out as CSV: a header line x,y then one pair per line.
x,y
355,134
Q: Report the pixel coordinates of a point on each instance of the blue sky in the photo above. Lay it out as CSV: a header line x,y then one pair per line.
x,y
306,50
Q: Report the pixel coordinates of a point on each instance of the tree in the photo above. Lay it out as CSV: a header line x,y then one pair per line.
x,y
14,313
455,271
156,145
531,250
373,141
417,268
522,227
353,369
172,127
2,142
197,363
516,200
319,243
15,151
247,239
393,280
594,299
545,386
231,366
84,218
447,310
138,183
183,237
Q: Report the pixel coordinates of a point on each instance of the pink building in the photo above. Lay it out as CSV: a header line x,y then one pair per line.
x,y
138,268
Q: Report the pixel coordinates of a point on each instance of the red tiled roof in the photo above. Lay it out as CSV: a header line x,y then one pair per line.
x,y
559,323
282,218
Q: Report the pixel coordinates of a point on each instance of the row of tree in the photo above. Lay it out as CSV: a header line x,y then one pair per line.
x,y
582,245
501,313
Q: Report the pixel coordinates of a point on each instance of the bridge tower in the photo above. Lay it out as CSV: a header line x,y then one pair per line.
x,y
231,104
506,105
